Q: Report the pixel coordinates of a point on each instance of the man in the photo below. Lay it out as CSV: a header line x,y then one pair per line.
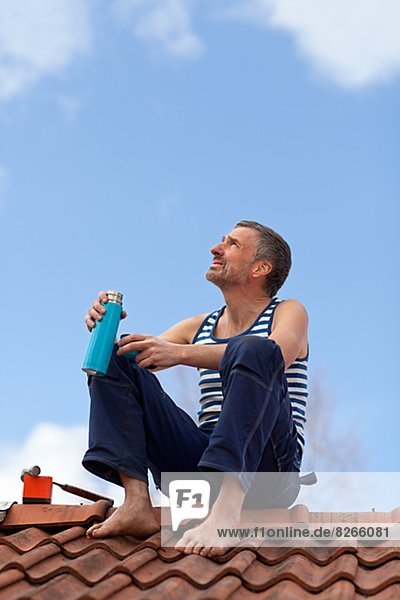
x,y
252,355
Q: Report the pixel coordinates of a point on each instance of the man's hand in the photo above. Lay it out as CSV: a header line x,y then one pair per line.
x,y
154,352
97,310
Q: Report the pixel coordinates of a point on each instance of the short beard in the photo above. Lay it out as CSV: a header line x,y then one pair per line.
x,y
215,278
223,280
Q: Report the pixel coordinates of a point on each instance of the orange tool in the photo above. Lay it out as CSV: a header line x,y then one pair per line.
x,y
38,488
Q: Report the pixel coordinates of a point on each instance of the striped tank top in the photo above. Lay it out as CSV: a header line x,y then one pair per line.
x,y
211,397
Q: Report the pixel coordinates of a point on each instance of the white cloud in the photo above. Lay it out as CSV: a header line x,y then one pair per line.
x,y
39,38
352,42
166,23
58,451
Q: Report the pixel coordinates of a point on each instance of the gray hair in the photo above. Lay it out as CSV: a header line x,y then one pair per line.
x,y
275,250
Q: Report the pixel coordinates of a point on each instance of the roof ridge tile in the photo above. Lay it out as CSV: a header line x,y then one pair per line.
x,y
54,515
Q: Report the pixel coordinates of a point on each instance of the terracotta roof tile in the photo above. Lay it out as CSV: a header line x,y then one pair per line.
x,y
17,590
390,593
26,561
319,556
109,587
89,568
302,571
7,579
25,540
50,559
371,557
59,588
288,590
200,571
119,547
175,588
137,560
7,555
371,581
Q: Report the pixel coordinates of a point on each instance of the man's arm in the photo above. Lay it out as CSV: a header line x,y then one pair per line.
x,y
289,330
173,347
188,354
184,331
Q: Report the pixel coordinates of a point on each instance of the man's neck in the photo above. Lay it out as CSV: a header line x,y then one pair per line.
x,y
242,307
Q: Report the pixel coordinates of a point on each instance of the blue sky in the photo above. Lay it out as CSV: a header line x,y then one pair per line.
x,y
133,135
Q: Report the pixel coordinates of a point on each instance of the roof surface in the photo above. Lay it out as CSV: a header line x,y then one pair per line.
x,y
44,554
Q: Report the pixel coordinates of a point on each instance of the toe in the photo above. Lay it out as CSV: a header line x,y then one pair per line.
x,y
96,531
92,529
188,549
197,548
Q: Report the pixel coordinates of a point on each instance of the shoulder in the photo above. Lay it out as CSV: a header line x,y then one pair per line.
x,y
193,323
291,323
290,305
291,309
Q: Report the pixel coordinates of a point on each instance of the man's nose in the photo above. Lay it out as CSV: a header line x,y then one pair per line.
x,y
217,249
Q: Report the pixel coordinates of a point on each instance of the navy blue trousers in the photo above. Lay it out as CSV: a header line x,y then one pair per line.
x,y
135,426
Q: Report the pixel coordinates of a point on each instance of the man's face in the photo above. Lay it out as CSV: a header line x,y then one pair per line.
x,y
232,258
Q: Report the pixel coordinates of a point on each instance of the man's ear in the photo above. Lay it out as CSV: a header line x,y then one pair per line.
x,y
261,269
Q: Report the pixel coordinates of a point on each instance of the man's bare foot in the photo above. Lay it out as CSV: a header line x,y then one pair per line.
x,y
225,514
204,539
128,519
134,517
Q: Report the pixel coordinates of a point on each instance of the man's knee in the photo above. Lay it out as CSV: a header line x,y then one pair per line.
x,y
252,344
251,350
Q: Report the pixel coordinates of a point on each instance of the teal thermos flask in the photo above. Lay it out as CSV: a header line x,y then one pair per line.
x,y
103,336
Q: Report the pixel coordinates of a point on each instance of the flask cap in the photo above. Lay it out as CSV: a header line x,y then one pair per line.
x,y
114,296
